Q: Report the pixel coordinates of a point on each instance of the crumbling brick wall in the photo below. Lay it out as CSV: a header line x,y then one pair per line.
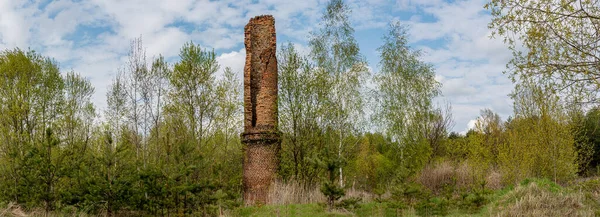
x,y
261,136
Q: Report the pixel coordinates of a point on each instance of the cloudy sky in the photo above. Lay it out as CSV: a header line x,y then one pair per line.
x,y
92,37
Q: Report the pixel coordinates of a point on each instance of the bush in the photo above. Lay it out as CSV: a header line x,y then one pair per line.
x,y
473,201
332,192
433,206
408,195
350,203
436,177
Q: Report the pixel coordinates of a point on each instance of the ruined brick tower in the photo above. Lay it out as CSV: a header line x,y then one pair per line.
x,y
261,135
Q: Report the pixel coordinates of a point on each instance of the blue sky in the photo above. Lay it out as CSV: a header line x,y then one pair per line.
x,y
92,37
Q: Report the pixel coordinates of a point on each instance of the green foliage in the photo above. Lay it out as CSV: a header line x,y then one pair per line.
x,y
351,203
553,41
432,207
336,54
143,159
329,186
31,106
479,154
586,132
406,87
474,201
302,103
373,166
540,137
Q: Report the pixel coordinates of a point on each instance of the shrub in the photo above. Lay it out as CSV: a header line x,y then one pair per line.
x,y
408,195
436,177
433,206
473,201
350,203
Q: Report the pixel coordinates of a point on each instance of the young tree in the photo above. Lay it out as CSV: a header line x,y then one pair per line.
x,y
193,92
155,97
116,100
136,88
541,130
302,103
227,147
79,111
586,129
31,103
406,87
229,106
490,125
335,51
76,134
438,129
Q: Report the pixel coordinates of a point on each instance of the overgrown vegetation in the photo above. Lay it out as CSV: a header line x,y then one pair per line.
x,y
168,143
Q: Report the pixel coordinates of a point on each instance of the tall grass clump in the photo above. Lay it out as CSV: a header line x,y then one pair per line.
x,y
540,198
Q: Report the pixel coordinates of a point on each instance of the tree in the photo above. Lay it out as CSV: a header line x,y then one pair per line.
x,y
116,100
587,133
329,188
193,92
336,52
374,170
228,151
302,104
156,87
136,88
490,125
229,105
405,89
539,136
76,127
553,40
437,131
31,101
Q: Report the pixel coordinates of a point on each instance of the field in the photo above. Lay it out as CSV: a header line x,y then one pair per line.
x,y
532,197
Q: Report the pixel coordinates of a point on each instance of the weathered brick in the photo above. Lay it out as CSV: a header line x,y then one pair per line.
x,y
261,136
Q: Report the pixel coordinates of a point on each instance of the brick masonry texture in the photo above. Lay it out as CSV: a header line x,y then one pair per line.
x,y
261,136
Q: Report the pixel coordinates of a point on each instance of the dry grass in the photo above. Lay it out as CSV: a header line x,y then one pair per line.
x,y
532,200
493,180
436,176
14,210
365,196
445,173
294,192
464,176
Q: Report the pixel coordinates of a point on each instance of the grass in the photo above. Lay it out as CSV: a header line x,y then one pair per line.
x,y
540,198
15,210
318,210
286,210
532,197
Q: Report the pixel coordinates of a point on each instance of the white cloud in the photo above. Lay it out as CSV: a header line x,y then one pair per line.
x,y
468,63
234,60
14,27
470,126
457,87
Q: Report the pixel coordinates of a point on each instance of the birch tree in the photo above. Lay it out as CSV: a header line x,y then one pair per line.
x,y
335,51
